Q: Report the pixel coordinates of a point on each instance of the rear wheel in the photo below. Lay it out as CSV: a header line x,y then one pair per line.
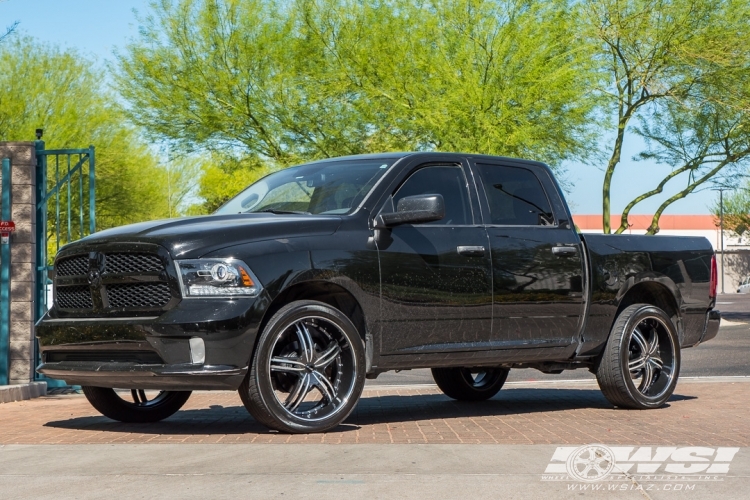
x,y
136,405
308,370
470,384
641,362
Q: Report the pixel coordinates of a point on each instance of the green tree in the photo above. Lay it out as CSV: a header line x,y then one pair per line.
x,y
665,62
267,83
736,209
42,86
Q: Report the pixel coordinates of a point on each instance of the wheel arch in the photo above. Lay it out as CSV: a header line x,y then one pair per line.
x,y
654,293
327,292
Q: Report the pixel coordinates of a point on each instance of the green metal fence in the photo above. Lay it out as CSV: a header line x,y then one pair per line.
x,y
65,210
5,281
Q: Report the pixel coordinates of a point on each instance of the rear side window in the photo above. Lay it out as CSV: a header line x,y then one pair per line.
x,y
515,196
448,181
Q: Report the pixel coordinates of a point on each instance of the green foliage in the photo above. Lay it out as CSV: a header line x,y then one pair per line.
x,y
218,184
271,83
736,210
58,90
678,67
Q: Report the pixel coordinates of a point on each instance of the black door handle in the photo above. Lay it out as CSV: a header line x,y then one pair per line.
x,y
470,251
564,251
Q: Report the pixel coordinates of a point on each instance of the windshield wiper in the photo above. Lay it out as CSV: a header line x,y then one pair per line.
x,y
281,212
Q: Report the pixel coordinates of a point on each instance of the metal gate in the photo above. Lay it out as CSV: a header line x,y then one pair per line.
x,y
65,212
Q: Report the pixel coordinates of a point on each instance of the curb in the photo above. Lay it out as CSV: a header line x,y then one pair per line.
x,y
20,392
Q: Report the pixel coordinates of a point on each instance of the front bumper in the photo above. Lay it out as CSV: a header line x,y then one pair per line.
x,y
185,377
154,352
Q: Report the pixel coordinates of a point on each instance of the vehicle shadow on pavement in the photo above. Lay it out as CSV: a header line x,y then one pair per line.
x,y
371,410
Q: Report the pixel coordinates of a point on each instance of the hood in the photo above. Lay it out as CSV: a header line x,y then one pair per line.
x,y
193,237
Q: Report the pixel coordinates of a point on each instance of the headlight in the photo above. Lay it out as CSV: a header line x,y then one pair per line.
x,y
216,278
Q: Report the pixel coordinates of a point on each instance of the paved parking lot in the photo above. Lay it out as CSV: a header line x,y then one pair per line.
x,y
700,413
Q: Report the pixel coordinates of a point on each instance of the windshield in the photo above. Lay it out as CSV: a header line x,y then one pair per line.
x,y
334,187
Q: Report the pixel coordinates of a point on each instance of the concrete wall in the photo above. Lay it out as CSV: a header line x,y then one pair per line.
x,y
23,264
736,268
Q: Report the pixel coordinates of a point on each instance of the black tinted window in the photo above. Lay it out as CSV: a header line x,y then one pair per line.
x,y
448,181
515,196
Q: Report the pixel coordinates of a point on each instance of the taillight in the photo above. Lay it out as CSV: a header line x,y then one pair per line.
x,y
714,279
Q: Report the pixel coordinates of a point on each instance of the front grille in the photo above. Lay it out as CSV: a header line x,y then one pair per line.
x,y
127,263
128,280
140,357
140,295
74,297
74,266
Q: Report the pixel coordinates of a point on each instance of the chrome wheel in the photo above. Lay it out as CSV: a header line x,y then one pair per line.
x,y
651,355
470,384
482,378
135,405
142,398
312,368
640,363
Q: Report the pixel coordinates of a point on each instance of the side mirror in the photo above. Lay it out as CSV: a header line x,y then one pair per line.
x,y
412,210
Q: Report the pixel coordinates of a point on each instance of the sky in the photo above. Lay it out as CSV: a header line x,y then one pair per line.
x,y
96,27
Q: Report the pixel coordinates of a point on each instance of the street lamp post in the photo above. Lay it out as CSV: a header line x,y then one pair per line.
x,y
721,229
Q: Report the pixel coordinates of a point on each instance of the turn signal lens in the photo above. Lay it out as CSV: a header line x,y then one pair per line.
x,y
246,279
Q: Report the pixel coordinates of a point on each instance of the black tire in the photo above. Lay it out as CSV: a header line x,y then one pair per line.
x,y
467,384
320,384
141,410
641,361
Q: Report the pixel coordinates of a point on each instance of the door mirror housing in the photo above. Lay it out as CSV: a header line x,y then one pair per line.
x,y
413,210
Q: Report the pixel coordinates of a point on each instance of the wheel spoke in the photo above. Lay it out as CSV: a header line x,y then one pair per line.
x,y
287,365
298,394
144,399
324,386
656,362
637,363
640,340
653,347
134,394
306,342
328,356
648,377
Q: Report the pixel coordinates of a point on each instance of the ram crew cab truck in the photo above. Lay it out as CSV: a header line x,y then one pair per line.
x,y
319,276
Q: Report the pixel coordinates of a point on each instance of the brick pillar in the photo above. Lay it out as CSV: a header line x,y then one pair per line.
x,y
23,264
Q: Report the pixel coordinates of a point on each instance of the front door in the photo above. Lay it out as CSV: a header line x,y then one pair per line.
x,y
537,261
436,277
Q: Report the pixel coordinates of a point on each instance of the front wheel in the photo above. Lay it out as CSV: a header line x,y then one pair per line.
x,y
137,405
641,361
466,384
308,370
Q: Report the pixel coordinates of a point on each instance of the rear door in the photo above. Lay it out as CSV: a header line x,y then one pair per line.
x,y
537,262
436,278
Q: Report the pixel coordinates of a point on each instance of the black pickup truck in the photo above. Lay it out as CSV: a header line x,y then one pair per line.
x,y
321,275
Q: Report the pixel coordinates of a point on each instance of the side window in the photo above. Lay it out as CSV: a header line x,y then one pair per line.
x,y
448,181
515,196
